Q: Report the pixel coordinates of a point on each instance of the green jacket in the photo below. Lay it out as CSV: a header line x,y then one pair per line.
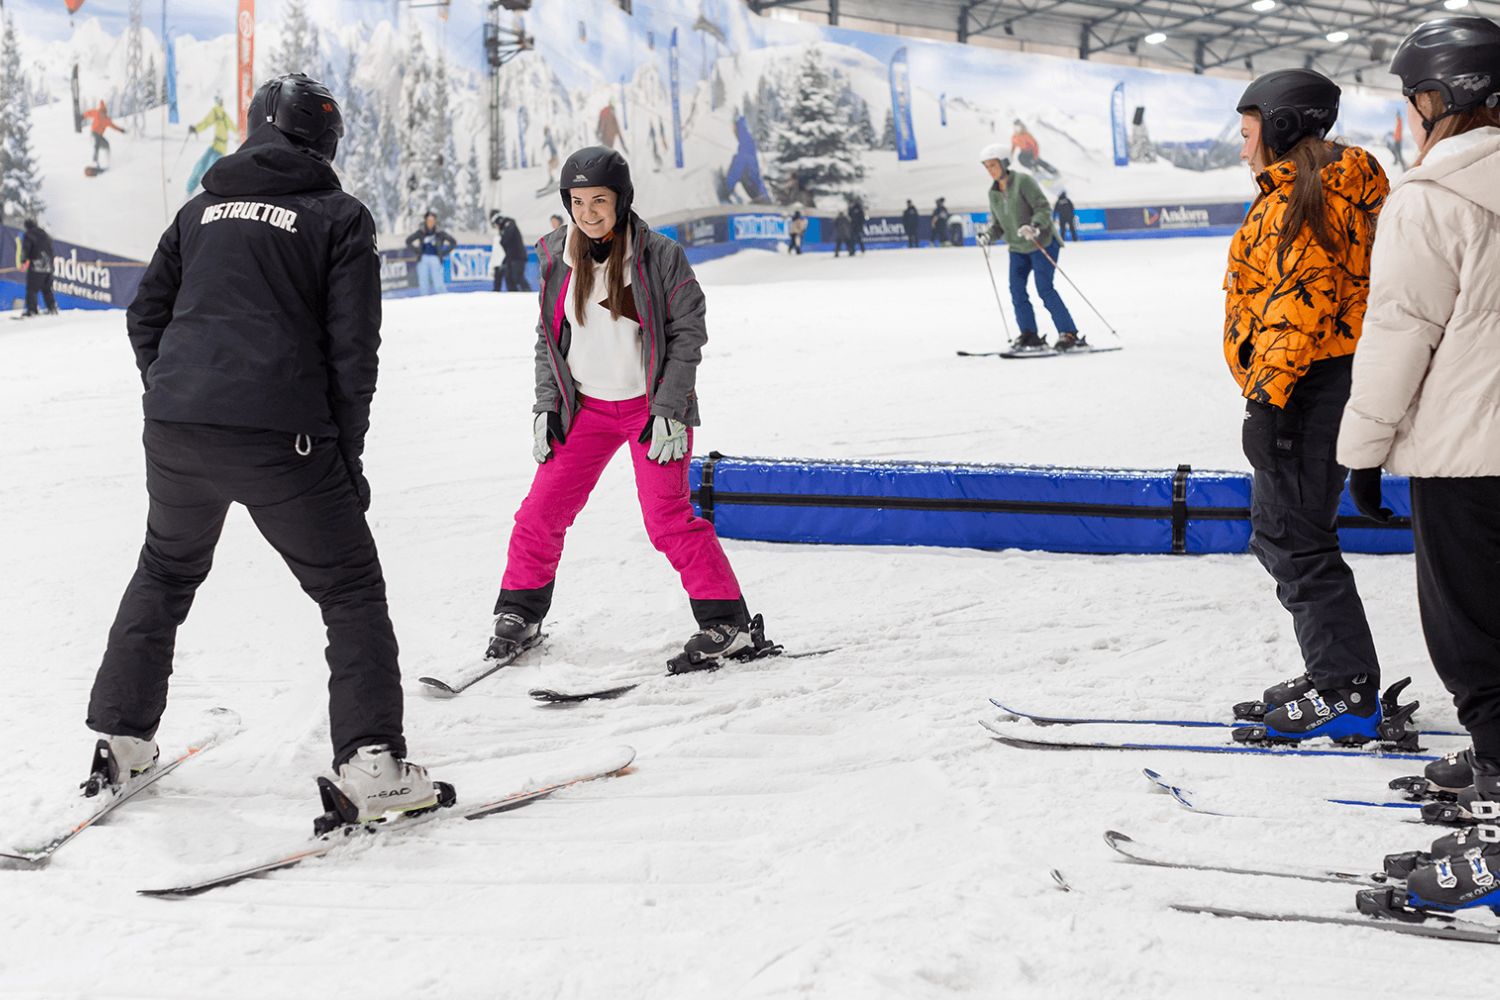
x,y
219,119
1022,202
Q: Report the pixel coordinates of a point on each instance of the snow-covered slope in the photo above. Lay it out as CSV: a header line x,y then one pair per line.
x,y
836,827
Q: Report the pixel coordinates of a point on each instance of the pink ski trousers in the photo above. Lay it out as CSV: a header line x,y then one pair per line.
x,y
563,484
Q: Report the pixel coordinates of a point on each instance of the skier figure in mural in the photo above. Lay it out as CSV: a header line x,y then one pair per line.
x,y
99,121
796,227
1024,147
656,145
1021,216
262,397
609,132
909,221
509,255
1067,225
744,168
856,225
36,261
432,246
939,222
1423,406
619,340
219,120
1295,295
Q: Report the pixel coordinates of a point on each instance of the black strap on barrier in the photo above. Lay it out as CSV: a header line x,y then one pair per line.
x,y
706,488
1180,509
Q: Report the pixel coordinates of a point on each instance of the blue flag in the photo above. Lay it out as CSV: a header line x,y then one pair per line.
x,y
1117,123
906,137
675,79
171,81
943,109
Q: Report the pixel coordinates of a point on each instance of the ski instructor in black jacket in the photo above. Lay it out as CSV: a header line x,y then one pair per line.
x,y
256,328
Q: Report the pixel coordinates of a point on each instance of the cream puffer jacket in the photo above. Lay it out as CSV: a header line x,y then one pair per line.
x,y
1426,397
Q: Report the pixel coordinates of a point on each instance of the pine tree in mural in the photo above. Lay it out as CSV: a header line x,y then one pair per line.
x,y
298,51
888,132
418,152
816,150
20,183
446,167
473,214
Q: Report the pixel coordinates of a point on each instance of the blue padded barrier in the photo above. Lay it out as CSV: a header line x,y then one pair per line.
x,y
1042,508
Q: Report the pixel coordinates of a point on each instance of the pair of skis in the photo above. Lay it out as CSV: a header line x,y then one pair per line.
x,y
1045,352
1380,899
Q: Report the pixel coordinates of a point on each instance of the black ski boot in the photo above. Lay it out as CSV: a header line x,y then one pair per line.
x,y
1275,696
710,647
1070,342
1347,715
513,636
1029,342
1464,866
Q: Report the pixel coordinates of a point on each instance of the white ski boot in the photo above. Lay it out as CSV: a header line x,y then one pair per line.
x,y
377,786
118,759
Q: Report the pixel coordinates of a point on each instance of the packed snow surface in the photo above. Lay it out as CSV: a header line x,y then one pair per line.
x,y
828,827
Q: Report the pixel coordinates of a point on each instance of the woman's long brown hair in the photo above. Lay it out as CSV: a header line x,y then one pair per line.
x,y
1430,103
1305,205
583,272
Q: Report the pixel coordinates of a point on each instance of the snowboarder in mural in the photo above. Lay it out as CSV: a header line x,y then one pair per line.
x,y
1024,147
744,169
99,121
217,119
609,132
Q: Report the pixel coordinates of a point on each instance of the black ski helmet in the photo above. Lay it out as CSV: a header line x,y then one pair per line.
x,y
1293,104
1459,57
302,109
598,166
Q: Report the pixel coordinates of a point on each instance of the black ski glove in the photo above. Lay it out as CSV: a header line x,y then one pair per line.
x,y
356,466
1364,490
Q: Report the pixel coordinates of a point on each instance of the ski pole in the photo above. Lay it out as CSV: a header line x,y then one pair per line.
x,y
1082,296
1005,323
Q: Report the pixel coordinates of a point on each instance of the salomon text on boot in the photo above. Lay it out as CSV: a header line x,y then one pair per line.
x,y
1348,715
1465,869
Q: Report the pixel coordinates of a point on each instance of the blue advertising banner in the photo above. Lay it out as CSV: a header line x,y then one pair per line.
x,y
171,81
675,76
1168,218
82,278
1117,125
900,75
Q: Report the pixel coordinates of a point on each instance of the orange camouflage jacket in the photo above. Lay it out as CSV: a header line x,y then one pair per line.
x,y
1282,314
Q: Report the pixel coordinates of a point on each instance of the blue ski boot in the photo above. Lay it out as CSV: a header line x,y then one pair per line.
x,y
1465,869
1345,715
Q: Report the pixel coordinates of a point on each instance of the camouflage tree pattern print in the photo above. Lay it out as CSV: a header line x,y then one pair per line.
x,y
1283,312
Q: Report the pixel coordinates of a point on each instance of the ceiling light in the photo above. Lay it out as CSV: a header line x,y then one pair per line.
x,y
1155,38
1261,6
1455,4
1338,36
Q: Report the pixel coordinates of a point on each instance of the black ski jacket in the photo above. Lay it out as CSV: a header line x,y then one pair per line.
x,y
261,306
909,217
512,242
36,249
438,242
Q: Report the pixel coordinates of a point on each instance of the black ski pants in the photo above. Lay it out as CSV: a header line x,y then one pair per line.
x,y
307,507
39,284
515,274
1457,528
1294,526
1067,228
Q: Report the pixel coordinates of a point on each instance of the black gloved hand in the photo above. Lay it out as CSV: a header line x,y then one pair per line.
x,y
1364,490
356,467
1258,435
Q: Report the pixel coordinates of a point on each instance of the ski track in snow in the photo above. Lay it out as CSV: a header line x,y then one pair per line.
x,y
830,827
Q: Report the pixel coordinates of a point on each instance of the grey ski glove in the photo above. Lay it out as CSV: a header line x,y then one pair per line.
x,y
668,439
546,428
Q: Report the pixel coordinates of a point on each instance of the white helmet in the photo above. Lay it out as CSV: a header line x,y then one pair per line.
x,y
994,151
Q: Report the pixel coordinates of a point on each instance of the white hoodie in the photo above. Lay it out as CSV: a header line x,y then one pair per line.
x,y
605,354
1426,395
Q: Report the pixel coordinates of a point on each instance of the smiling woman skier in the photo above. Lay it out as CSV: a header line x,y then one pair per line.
x,y
1295,295
618,344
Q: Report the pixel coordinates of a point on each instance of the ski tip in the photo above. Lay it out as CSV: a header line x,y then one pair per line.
x,y
1153,776
435,686
1010,713
1062,882
1114,838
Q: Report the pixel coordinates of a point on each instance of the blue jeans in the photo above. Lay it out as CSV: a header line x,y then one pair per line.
x,y
1036,263
430,274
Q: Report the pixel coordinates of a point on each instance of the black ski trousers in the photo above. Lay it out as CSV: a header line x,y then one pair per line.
x,y
1457,528
1294,526
38,284
306,506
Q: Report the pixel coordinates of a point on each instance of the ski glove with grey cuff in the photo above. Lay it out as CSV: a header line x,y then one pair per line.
x,y
668,439
546,428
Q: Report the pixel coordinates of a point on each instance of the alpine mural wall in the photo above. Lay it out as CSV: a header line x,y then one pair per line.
x,y
107,125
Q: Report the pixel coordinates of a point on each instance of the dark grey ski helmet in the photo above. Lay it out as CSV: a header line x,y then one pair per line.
x,y
598,166
1293,104
1458,57
302,109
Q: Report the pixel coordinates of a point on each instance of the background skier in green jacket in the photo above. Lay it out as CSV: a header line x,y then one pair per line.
x,y
1021,215
222,126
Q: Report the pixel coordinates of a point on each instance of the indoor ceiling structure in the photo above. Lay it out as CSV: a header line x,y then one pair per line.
x,y
1349,40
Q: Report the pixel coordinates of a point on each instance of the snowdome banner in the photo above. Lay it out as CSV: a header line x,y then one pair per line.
x,y
719,111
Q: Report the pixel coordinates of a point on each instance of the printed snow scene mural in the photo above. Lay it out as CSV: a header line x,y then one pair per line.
x,y
112,110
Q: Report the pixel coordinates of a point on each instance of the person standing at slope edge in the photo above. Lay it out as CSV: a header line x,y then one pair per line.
x,y
618,344
432,246
261,396
1021,216
1295,293
1426,404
